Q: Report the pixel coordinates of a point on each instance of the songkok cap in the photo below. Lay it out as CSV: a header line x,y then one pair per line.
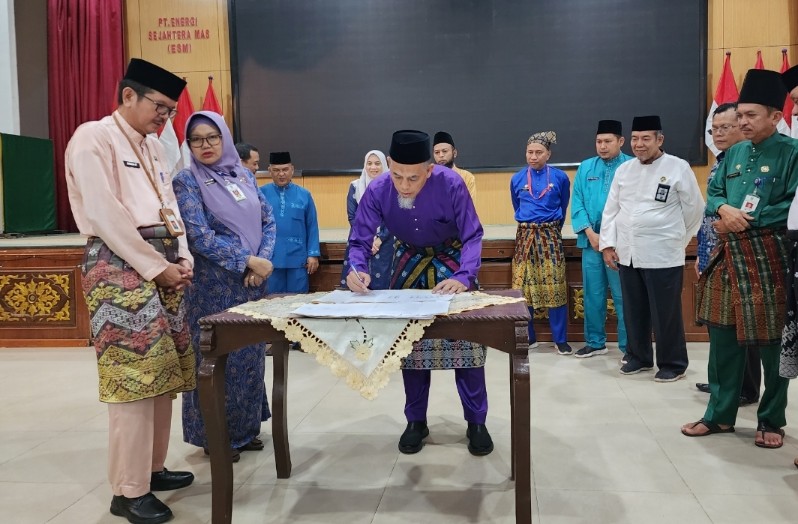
x,y
410,147
646,123
763,87
609,126
790,78
547,138
280,158
155,77
442,137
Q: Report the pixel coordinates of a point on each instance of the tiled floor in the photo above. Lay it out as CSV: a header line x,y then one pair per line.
x,y
605,449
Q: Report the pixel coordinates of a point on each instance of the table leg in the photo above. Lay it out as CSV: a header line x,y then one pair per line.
x,y
520,428
210,381
282,454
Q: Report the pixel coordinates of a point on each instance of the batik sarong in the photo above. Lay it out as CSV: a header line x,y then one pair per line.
x,y
539,265
423,268
139,329
788,360
744,286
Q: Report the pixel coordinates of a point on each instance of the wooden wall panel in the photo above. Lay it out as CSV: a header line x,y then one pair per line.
x,y
208,51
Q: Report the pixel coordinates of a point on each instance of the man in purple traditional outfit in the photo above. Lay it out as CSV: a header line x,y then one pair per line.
x,y
429,210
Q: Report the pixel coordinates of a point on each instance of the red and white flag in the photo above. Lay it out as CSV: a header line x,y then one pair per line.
x,y
782,126
725,93
184,110
791,121
171,146
211,103
172,135
759,63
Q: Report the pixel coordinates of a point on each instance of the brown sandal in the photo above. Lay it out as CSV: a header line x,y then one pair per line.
x,y
255,444
764,428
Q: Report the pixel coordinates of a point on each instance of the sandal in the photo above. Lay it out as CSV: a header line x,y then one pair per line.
x,y
255,444
764,428
711,426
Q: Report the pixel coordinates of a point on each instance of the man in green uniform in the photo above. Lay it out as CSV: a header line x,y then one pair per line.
x,y
739,295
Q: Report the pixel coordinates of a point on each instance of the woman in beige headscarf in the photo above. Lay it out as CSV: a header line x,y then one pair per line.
x,y
379,268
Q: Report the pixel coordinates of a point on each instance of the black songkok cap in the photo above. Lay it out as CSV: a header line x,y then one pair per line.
x,y
155,77
410,147
646,123
280,158
763,87
442,137
609,126
790,78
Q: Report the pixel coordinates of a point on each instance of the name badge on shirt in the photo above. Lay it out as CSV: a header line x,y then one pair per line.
x,y
662,193
750,203
128,163
733,175
236,192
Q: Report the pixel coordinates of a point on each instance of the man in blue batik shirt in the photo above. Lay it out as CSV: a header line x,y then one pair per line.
x,y
591,186
296,250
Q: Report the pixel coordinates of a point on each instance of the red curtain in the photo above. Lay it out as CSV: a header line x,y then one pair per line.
x,y
85,51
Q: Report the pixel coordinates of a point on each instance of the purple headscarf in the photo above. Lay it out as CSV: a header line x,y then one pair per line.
x,y
244,217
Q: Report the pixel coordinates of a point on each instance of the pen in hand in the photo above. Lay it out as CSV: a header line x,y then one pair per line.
x,y
357,276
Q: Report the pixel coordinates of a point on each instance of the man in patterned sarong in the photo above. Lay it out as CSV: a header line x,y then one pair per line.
x,y
788,363
135,266
725,133
429,210
540,195
740,295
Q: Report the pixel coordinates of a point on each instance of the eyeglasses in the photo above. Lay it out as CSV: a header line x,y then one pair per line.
x,y
197,141
162,109
720,130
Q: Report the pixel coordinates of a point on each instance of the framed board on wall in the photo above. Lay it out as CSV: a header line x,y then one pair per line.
x,y
330,80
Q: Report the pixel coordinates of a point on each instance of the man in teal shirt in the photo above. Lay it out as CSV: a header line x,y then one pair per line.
x,y
739,295
591,186
296,250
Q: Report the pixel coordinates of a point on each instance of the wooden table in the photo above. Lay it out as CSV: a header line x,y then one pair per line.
x,y
501,327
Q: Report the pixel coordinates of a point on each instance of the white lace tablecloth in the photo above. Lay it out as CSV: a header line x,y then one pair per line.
x,y
363,351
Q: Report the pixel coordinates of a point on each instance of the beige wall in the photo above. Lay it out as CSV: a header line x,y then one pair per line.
x,y
739,26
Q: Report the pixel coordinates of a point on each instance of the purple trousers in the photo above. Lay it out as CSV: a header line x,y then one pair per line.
x,y
470,385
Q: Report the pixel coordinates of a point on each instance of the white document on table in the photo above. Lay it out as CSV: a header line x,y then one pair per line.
x,y
382,303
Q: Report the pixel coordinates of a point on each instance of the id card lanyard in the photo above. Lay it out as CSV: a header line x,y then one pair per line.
x,y
167,215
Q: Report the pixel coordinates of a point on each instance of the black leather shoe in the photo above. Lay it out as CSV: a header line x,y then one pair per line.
x,y
479,441
412,440
168,480
703,388
146,509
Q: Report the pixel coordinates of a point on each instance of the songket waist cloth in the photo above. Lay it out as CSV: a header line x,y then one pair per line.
x,y
140,334
422,268
538,268
743,286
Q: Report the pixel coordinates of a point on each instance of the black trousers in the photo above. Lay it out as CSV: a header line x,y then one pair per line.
x,y
752,378
653,298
